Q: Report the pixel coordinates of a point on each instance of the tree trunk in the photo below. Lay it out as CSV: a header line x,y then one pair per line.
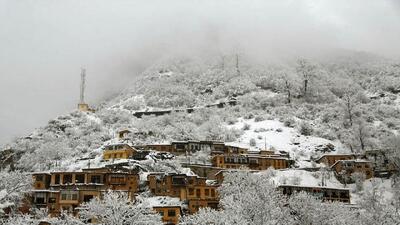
x,y
361,137
349,111
237,65
288,91
305,87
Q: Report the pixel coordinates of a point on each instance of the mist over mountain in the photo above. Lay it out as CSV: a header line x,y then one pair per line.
x,y
199,112
44,44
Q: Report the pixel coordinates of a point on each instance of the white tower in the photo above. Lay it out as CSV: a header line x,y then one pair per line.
x,y
83,80
82,106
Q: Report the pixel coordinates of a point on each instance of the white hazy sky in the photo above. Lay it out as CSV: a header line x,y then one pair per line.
x,y
43,43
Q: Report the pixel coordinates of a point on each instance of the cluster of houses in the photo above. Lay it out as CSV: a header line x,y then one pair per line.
x,y
373,163
66,191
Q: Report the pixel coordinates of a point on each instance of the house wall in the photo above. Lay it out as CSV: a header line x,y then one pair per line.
x,y
360,167
256,163
166,217
108,180
329,160
117,154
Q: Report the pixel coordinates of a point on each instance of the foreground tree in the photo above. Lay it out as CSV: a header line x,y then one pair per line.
x,y
306,209
116,208
12,187
246,199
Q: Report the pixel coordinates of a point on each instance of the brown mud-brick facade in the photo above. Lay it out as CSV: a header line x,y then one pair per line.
x,y
325,193
118,151
250,161
58,191
345,168
331,159
188,147
170,214
193,190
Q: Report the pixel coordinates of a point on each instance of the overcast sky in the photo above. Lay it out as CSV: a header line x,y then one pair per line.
x,y
44,43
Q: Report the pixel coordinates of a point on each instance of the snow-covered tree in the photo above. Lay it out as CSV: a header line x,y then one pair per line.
x,y
13,185
306,209
307,71
211,216
116,208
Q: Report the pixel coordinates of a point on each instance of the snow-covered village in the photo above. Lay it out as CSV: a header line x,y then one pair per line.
x,y
111,116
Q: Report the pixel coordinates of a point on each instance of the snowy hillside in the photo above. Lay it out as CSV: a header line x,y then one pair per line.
x,y
269,111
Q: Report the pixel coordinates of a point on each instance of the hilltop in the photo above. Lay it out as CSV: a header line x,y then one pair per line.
x,y
302,109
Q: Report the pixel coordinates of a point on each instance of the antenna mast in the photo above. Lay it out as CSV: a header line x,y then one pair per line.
x,y
83,80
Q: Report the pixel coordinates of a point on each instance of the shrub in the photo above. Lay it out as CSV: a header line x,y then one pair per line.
x,y
305,129
289,122
246,126
259,118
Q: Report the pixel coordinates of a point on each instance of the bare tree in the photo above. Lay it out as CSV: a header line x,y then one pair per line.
x,y
349,100
237,65
361,134
307,71
287,87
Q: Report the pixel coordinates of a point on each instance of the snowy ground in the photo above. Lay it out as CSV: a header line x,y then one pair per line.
x,y
304,178
274,134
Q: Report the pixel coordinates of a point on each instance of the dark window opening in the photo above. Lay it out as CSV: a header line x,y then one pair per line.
x,y
171,213
87,198
80,178
39,177
95,179
57,179
198,192
67,178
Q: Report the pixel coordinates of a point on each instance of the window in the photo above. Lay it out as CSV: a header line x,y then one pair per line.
x,y
95,179
191,191
161,213
198,193
171,213
80,178
69,195
67,178
212,192
52,198
117,179
87,198
40,198
207,192
57,179
39,177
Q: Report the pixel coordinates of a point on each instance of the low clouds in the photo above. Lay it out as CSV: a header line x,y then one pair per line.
x,y
43,43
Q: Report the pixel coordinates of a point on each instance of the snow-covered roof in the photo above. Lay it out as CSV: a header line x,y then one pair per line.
x,y
321,187
334,154
351,160
162,201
